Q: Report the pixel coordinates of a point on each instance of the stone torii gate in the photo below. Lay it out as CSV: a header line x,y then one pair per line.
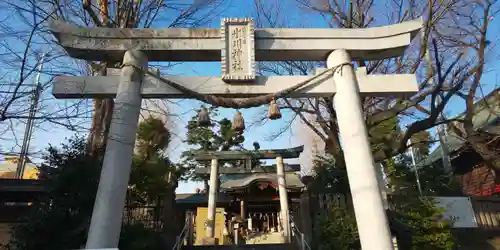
x,y
238,46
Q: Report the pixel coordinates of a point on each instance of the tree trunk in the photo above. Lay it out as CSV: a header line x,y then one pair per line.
x,y
101,122
101,119
95,126
170,224
332,146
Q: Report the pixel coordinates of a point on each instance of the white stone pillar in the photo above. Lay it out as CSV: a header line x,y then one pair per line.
x,y
371,218
280,224
280,169
106,220
250,225
212,198
243,212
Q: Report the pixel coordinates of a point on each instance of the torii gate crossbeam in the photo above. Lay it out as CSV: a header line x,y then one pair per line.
x,y
205,44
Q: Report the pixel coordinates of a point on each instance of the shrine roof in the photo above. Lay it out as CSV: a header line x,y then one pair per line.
x,y
486,117
239,181
200,198
241,155
239,170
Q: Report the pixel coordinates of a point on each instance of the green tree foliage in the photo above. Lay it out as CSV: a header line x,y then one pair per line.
x,y
153,175
422,142
218,136
152,138
434,180
385,137
138,237
421,215
60,218
154,179
430,230
331,176
337,230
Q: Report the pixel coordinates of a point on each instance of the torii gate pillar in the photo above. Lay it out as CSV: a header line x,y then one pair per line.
x,y
106,222
371,218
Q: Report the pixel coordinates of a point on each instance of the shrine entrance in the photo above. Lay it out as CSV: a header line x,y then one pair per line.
x,y
260,195
238,46
260,208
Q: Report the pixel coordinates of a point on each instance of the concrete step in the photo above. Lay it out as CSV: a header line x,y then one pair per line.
x,y
265,238
242,247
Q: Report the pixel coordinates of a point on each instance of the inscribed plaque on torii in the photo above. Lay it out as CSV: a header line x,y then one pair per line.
x,y
238,51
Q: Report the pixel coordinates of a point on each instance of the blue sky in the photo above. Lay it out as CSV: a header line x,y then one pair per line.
x,y
184,109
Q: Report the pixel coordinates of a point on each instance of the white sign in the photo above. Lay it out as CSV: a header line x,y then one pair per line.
x,y
458,209
238,52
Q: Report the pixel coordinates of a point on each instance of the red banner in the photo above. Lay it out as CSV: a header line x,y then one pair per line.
x,y
489,191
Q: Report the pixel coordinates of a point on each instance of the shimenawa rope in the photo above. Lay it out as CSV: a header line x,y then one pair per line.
x,y
243,103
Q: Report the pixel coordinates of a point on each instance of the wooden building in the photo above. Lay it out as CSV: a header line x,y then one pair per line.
x,y
16,196
468,166
248,194
480,183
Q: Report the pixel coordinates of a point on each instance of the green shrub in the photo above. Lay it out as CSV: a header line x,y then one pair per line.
x,y
336,230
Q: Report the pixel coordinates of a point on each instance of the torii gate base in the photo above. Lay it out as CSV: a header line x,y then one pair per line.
x,y
238,51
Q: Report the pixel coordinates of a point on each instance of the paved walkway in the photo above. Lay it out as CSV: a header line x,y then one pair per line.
x,y
268,238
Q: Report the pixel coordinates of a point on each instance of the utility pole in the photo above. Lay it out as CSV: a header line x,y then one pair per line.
x,y
28,131
442,134
415,168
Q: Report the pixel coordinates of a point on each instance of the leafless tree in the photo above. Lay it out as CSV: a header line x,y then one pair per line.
x,y
25,37
449,59
22,51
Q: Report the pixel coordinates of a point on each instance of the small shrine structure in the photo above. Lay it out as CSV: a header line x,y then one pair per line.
x,y
253,198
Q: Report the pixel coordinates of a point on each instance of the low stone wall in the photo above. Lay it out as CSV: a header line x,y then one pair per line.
x,y
4,233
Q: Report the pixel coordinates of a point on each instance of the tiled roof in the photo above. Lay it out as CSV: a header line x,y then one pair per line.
x,y
199,198
244,180
487,117
237,181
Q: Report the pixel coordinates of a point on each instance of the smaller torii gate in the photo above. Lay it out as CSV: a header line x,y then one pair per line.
x,y
238,46
246,157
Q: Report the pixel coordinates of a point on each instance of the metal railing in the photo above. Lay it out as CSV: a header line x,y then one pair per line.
x,y
179,241
297,236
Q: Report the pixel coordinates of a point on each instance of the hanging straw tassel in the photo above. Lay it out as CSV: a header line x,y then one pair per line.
x,y
238,122
274,111
203,117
